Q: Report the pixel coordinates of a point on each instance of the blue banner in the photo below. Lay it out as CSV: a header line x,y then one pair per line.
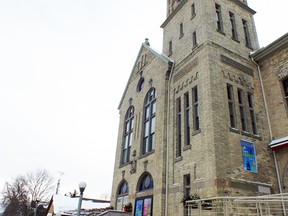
x,y
249,156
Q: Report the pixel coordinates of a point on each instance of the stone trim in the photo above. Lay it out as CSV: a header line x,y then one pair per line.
x,y
228,61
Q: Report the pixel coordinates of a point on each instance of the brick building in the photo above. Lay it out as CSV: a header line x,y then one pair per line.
x,y
198,118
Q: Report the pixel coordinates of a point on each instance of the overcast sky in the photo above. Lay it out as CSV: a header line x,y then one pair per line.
x,y
63,67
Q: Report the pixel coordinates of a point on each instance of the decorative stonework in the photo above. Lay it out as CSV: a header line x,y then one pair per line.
x,y
237,65
283,73
185,70
133,163
185,83
238,80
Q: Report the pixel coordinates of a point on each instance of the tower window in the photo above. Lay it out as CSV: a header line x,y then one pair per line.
x,y
181,30
194,39
196,125
128,135
231,106
178,122
219,18
193,10
140,85
170,51
246,33
233,26
187,190
242,110
187,118
149,121
252,113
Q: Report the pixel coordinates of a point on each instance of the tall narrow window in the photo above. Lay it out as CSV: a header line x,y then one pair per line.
x,y
170,51
196,125
194,38
285,87
252,113
122,196
181,30
246,33
149,121
187,118
193,10
233,26
179,132
242,110
219,18
231,106
128,135
187,190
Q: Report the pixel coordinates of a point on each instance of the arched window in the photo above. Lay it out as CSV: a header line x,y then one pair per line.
x,y
145,182
128,135
149,121
122,196
144,204
140,84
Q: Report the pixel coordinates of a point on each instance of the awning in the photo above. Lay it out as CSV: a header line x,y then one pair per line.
x,y
279,143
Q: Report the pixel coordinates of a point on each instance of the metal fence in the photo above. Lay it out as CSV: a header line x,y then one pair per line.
x,y
272,205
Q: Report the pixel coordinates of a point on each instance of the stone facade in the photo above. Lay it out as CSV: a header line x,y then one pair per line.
x,y
209,108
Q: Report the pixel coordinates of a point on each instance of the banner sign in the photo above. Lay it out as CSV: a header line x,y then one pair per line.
x,y
249,156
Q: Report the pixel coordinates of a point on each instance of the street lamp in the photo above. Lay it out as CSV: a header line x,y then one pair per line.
x,y
82,186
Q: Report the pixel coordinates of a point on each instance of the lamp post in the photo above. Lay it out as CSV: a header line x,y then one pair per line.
x,y
82,186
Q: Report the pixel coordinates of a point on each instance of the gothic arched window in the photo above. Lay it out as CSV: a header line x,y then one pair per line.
x,y
122,195
149,121
128,135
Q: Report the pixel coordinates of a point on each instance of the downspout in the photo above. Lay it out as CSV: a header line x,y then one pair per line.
x,y
167,140
270,129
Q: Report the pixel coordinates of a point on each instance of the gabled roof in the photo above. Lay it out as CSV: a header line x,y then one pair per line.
x,y
276,45
159,55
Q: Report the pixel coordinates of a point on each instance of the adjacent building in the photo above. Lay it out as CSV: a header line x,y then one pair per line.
x,y
205,116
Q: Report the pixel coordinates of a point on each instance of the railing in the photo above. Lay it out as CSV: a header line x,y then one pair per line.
x,y
276,204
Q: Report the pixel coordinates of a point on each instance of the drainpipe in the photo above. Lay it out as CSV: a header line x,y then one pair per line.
x,y
167,140
270,130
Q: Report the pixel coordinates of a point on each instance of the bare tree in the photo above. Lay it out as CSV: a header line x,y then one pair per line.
x,y
40,185
17,196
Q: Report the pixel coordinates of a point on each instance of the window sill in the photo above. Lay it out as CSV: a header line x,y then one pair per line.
x,y
124,164
177,159
186,147
170,54
181,36
221,32
196,132
256,136
146,154
234,130
236,40
193,16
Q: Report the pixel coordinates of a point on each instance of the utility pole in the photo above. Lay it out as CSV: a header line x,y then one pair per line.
x,y
58,183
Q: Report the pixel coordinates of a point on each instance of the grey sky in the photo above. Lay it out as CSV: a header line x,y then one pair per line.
x,y
59,60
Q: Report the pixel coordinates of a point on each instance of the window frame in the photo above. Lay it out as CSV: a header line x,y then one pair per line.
x,y
246,33
231,106
252,113
187,123
219,20
178,127
123,197
242,110
127,135
195,109
233,26
149,122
